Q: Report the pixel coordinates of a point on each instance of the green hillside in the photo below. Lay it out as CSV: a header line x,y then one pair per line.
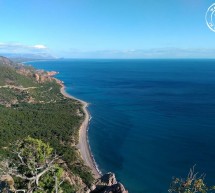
x,y
32,106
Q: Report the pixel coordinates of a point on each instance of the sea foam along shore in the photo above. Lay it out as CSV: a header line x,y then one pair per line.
x,y
83,144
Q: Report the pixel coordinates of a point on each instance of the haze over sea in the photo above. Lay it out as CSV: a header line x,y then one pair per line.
x,y
152,119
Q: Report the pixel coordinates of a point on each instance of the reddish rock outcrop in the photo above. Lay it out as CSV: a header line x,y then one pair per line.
x,y
37,77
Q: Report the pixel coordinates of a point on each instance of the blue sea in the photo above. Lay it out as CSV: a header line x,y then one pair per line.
x,y
151,119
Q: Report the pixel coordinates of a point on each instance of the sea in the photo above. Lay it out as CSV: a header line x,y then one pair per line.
x,y
152,119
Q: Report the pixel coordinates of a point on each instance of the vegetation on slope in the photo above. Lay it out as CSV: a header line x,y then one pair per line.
x,y
33,167
32,106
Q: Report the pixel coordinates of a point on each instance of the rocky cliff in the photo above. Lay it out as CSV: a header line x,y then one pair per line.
x,y
107,184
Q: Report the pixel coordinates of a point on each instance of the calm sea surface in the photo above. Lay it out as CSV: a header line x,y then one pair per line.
x,y
152,119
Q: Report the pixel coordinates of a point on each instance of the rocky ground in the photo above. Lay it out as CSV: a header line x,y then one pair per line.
x,y
107,184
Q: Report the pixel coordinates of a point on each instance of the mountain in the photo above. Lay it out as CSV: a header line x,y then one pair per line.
x,y
20,57
6,62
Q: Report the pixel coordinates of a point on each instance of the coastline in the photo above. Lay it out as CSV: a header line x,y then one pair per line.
x,y
83,144
109,182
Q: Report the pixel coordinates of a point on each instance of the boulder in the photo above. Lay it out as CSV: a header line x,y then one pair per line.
x,y
108,184
8,180
37,77
107,179
116,188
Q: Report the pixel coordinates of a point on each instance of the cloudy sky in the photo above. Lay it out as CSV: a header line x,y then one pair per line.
x,y
107,28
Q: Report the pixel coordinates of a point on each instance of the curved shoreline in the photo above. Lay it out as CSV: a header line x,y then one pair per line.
x,y
83,144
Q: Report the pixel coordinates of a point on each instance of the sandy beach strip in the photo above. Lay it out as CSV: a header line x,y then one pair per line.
x,y
83,144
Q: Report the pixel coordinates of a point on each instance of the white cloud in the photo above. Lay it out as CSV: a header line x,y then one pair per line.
x,y
40,46
22,48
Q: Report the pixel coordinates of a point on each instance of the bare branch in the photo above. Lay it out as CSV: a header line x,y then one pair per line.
x,y
20,158
21,190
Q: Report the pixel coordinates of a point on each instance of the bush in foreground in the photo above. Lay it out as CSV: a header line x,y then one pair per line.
x,y
33,168
194,183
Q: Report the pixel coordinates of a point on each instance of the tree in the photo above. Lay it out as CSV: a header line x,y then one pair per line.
x,y
34,167
192,184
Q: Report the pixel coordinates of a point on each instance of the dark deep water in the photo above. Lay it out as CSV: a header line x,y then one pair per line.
x,y
152,119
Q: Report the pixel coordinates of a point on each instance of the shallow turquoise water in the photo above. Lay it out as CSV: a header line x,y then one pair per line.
x,y
152,119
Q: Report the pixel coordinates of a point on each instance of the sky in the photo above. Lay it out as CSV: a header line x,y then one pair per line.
x,y
107,28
